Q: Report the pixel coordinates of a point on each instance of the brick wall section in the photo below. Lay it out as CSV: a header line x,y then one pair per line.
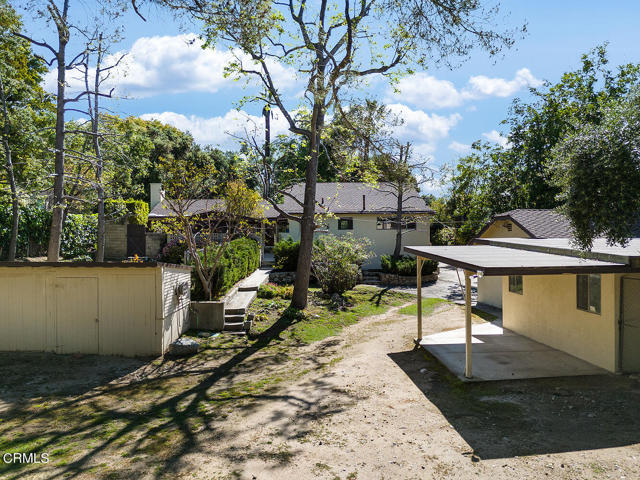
x,y
155,242
115,241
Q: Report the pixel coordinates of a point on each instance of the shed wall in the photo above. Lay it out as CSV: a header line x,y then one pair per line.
x,y
547,313
107,311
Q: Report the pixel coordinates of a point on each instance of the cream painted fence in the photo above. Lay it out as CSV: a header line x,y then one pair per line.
x,y
108,309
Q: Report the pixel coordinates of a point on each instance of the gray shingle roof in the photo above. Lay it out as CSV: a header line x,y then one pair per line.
x,y
355,197
338,198
539,223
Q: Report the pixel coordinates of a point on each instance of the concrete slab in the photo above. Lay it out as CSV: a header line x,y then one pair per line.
x,y
253,281
500,354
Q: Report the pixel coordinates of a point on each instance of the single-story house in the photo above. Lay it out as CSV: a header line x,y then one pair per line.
x,y
520,223
359,208
365,210
586,304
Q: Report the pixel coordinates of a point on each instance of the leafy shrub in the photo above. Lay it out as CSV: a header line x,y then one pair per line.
x,y
272,290
336,261
241,258
135,212
406,266
285,253
79,235
173,252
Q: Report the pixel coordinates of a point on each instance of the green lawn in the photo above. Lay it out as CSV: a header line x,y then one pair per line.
x,y
428,306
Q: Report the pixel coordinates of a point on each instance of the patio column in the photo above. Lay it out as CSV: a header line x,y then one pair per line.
x,y
419,285
467,323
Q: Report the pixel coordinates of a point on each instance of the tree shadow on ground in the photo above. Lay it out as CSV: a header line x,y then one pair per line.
x,y
154,416
530,417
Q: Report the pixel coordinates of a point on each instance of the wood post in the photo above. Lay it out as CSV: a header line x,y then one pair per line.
x,y
467,323
419,285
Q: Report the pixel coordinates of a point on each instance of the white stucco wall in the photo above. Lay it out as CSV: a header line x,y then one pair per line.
x,y
490,291
382,241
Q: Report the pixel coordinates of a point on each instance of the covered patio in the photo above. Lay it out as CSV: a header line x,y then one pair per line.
x,y
486,351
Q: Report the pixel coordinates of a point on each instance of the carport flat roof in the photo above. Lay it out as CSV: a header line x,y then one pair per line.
x,y
498,261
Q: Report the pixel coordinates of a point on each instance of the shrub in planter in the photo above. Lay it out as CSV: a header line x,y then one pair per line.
x,y
285,253
406,266
173,251
336,261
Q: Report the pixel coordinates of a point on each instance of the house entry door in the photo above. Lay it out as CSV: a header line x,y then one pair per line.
x,y
630,325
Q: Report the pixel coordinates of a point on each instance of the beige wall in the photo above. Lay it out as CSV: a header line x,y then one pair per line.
x,y
546,312
498,229
490,291
98,310
382,241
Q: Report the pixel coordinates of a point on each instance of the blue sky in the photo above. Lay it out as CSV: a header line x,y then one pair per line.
x,y
444,110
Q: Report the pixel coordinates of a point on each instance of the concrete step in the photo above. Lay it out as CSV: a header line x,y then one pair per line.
x,y
233,326
233,318
235,311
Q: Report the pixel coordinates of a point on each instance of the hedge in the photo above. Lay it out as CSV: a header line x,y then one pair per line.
x,y
406,265
135,212
79,234
240,259
285,254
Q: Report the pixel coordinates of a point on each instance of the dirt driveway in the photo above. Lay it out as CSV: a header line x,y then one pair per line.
x,y
368,406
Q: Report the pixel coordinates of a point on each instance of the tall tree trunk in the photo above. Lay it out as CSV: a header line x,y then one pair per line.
x,y
398,250
307,223
267,151
99,161
15,213
57,218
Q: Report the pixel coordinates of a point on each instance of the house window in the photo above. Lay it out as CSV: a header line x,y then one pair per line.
x,y
515,284
283,227
588,292
345,224
384,224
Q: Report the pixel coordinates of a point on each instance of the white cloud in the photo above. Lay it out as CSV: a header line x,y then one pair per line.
x,y
481,85
459,147
423,130
219,130
169,65
496,137
427,91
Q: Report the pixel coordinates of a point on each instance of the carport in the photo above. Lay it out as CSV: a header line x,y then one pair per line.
x,y
500,347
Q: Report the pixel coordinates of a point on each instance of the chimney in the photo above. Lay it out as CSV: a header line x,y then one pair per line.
x,y
156,194
364,203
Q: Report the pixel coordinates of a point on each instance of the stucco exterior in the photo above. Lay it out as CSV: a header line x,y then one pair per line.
x,y
382,241
116,310
547,312
490,288
500,229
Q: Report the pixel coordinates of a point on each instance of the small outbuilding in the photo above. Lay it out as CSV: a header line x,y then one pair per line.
x,y
585,304
128,309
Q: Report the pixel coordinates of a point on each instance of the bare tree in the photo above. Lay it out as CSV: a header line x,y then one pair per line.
x,y
6,132
401,176
333,46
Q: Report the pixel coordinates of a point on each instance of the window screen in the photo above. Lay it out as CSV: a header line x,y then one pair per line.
x,y
345,224
515,284
588,292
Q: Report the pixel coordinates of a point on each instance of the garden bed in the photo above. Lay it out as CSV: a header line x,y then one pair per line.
x,y
395,279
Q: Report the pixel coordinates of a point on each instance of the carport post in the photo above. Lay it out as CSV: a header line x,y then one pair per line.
x,y
419,285
467,322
